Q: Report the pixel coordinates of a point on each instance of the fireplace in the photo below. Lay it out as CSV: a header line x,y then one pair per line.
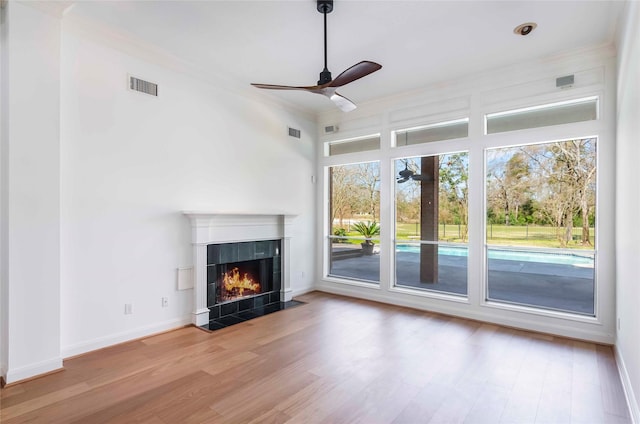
x,y
242,276
221,241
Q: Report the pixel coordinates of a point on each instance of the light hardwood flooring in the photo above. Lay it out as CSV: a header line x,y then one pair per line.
x,y
333,360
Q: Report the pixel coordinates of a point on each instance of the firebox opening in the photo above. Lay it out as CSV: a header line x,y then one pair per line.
x,y
238,280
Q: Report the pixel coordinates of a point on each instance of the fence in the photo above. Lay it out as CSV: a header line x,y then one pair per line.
x,y
495,232
532,232
501,232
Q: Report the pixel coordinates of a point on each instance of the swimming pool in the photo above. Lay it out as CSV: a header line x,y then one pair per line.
x,y
585,259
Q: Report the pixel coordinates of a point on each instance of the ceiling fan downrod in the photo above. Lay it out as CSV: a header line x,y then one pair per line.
x,y
324,7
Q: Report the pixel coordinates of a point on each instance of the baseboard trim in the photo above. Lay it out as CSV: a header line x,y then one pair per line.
x,y
303,290
634,409
125,336
476,314
31,371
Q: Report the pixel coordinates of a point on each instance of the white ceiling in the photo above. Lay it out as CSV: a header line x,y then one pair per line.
x,y
417,42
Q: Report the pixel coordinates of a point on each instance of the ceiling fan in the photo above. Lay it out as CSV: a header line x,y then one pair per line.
x,y
327,86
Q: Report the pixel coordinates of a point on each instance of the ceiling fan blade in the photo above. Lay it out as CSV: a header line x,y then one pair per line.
x,y
342,102
286,87
357,71
402,180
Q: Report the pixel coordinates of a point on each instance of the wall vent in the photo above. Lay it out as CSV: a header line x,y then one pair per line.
x,y
294,132
142,86
330,129
565,82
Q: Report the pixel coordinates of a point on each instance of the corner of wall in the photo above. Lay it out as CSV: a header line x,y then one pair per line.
x,y
634,409
627,343
4,130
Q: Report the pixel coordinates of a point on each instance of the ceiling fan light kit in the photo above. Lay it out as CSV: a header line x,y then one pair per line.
x,y
326,85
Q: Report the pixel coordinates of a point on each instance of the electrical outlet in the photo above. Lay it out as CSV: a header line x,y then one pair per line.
x,y
128,308
165,302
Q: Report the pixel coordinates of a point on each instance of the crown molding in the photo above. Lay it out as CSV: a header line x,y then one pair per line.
x,y
55,8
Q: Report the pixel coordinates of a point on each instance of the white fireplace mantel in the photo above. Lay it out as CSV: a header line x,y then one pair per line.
x,y
216,227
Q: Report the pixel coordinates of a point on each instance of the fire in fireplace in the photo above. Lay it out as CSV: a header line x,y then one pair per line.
x,y
235,286
242,279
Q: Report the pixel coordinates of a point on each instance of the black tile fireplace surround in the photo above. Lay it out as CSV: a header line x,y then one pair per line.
x,y
264,255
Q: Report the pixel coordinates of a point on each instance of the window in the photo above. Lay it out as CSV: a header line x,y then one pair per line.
x,y
354,145
540,238
542,116
354,221
431,223
434,132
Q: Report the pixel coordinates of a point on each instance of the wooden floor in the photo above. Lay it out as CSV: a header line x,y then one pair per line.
x,y
333,360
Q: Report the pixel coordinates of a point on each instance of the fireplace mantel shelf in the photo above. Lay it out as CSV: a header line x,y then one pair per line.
x,y
214,214
209,227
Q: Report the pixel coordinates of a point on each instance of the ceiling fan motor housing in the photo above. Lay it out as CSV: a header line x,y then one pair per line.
x,y
325,6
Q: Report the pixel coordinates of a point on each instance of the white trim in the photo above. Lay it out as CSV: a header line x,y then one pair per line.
x,y
453,309
634,409
125,336
303,290
33,370
200,316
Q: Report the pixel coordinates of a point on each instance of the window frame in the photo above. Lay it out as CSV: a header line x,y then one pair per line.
x,y
476,305
394,242
487,246
328,235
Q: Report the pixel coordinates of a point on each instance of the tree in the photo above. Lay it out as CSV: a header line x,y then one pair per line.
x,y
565,180
509,184
340,203
454,176
367,178
355,189
576,163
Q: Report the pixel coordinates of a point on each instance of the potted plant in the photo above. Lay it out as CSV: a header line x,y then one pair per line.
x,y
368,231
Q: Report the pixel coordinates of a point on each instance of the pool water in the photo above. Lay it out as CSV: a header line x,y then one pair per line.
x,y
560,258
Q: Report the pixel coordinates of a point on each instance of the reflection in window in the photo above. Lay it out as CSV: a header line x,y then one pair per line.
x,y
431,223
354,222
541,225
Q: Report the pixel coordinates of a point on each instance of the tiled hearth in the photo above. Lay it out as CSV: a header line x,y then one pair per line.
x,y
245,312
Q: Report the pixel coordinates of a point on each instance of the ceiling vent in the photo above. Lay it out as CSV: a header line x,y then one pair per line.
x,y
142,86
294,132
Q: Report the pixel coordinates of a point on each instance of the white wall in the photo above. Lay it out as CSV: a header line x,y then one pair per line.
x,y
131,163
30,192
94,179
627,207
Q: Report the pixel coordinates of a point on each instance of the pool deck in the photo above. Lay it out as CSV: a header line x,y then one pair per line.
x,y
551,286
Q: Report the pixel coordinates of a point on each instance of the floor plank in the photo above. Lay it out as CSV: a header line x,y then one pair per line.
x,y
336,360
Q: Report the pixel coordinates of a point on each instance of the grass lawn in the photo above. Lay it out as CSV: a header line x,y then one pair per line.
x,y
511,235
